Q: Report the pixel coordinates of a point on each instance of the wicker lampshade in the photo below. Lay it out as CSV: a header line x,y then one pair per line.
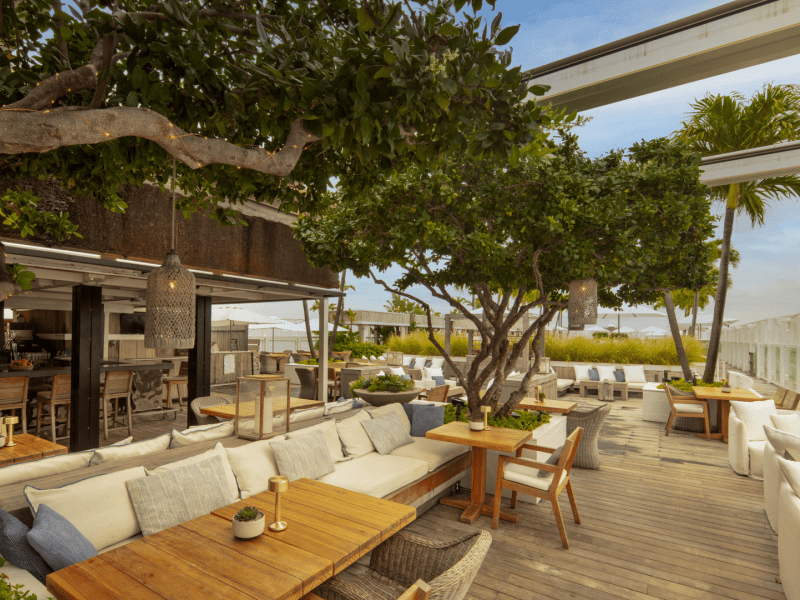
x,y
8,287
582,306
170,321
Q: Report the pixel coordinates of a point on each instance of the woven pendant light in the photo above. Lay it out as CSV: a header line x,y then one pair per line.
x,y
8,287
171,291
582,305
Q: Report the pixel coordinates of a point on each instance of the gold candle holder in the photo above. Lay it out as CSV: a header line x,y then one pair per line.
x,y
9,423
278,484
486,410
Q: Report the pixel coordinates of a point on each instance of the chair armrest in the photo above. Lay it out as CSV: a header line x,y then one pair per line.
x,y
419,591
682,400
537,448
738,453
788,413
525,462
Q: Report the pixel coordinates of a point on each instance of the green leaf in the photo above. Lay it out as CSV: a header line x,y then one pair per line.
x,y
132,99
449,85
366,129
449,29
365,23
383,72
506,35
389,57
66,33
362,85
513,156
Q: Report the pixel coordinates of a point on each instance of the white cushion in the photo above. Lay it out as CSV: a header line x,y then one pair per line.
x,y
791,470
124,442
529,476
111,453
99,507
396,371
138,536
306,414
395,409
787,423
437,363
407,358
634,373
689,408
190,437
332,408
606,373
789,539
430,373
376,475
581,372
434,452
218,450
773,477
564,384
755,451
253,465
328,431
783,441
203,427
52,465
355,440
372,358
755,415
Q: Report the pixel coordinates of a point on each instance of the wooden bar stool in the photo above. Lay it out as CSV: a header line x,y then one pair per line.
x,y
117,387
60,395
14,396
176,381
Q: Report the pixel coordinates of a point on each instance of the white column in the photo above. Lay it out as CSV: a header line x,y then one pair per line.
x,y
322,392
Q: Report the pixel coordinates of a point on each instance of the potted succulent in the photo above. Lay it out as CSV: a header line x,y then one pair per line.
x,y
725,386
384,389
248,523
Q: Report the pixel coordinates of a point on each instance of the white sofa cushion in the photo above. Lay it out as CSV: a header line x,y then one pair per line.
x,y
755,451
696,409
355,440
791,471
376,475
434,452
564,384
582,372
437,363
332,408
52,465
386,433
298,416
783,441
395,409
738,454
430,373
529,476
111,453
190,437
218,450
253,465
305,456
773,477
397,371
328,431
606,373
787,423
634,373
99,507
789,540
754,415
407,358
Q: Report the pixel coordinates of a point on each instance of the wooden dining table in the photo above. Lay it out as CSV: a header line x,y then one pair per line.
x,y
29,447
723,405
329,528
248,409
552,406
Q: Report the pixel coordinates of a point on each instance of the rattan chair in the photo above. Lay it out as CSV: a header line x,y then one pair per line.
x,y
60,395
116,387
403,559
522,476
176,381
591,421
686,406
786,399
418,591
14,397
206,402
438,394
308,383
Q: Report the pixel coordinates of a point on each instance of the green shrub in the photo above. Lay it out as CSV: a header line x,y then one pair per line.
x,y
357,349
14,592
417,342
624,351
686,386
382,383
315,361
527,420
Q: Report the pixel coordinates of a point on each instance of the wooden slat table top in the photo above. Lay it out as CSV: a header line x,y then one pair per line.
x,y
552,406
201,558
29,447
495,438
736,394
247,409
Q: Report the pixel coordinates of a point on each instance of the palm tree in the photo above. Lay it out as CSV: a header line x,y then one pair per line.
x,y
722,124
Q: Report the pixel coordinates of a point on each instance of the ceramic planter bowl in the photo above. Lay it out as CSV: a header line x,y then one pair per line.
x,y
249,530
384,398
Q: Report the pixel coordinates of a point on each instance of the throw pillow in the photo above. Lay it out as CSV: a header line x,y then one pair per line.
x,y
386,433
110,517
791,470
787,423
581,372
620,375
437,363
328,431
124,442
14,547
408,377
111,453
755,415
179,495
396,371
783,441
606,373
52,465
424,418
355,440
217,450
57,540
594,375
395,409
438,380
412,363
407,358
188,438
431,373
634,373
553,460
341,405
305,456
428,363
253,465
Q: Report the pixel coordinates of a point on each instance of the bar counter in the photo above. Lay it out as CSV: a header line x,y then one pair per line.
x,y
108,366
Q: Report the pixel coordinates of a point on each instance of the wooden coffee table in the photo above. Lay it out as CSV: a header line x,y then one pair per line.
x,y
329,528
496,438
29,447
724,407
552,406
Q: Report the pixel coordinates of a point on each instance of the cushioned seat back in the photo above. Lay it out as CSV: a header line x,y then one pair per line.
x,y
117,383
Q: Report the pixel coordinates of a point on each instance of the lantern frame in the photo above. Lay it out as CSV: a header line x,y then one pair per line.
x,y
171,306
582,303
263,409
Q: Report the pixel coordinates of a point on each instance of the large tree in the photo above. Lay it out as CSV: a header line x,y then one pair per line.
x,y
637,222
265,100
722,124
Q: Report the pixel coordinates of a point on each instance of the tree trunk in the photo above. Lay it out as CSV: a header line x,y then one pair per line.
x,y
693,330
308,329
339,308
722,284
676,336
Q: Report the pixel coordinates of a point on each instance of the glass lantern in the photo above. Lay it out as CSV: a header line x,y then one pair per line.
x,y
394,359
254,407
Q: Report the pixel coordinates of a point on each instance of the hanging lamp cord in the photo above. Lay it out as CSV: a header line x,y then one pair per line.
x,y
174,170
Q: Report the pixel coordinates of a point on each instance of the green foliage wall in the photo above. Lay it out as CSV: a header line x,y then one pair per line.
x,y
417,342
627,351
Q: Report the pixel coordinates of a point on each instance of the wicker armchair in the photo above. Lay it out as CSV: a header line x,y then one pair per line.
x,y
205,402
591,421
308,382
448,567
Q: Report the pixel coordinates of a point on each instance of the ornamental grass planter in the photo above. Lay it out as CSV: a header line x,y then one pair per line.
x,y
384,398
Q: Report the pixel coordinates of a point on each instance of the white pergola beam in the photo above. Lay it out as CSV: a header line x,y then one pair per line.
x,y
750,165
692,49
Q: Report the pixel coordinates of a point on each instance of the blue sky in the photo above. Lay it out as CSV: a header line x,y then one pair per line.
x,y
766,284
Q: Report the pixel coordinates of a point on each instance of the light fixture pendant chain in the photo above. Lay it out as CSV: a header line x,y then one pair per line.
x,y
174,171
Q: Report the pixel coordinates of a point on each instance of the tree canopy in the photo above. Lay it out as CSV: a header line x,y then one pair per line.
x,y
635,221
266,100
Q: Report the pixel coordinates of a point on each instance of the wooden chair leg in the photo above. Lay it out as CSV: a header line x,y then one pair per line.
x,y
708,427
105,418
513,500
498,495
560,522
38,418
24,415
573,503
130,415
669,422
52,422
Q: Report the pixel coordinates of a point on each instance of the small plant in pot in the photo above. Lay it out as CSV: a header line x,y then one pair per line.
x,y
248,523
726,387
384,389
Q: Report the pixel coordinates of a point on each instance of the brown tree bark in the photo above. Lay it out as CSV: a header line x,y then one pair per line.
x,y
676,336
308,329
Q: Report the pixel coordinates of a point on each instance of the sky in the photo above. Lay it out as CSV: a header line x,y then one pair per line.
x,y
766,283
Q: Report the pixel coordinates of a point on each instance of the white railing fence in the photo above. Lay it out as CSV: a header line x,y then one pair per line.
x,y
765,349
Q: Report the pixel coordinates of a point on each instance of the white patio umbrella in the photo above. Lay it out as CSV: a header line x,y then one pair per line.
x,y
227,316
627,311
703,320
653,331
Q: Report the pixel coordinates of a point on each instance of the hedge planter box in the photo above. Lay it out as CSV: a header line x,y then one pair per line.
x,y
384,398
655,407
549,435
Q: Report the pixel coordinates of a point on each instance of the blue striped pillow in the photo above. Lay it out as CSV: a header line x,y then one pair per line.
x,y
57,540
